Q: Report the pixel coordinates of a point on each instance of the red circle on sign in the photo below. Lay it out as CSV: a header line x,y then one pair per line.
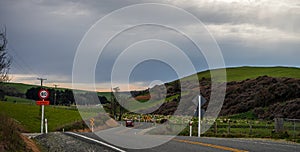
x,y
43,94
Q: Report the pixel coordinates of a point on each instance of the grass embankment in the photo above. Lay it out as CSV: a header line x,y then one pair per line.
x,y
11,138
29,115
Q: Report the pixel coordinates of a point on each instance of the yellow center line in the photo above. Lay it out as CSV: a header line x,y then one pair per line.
x,y
210,145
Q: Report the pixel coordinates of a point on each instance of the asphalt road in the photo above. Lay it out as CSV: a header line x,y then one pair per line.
x,y
125,136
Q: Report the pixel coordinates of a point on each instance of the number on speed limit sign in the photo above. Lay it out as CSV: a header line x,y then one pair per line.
x,y
43,94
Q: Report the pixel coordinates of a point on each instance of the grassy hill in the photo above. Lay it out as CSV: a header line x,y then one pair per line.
x,y
21,87
257,89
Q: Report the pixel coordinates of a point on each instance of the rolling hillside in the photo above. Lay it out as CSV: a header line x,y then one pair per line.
x,y
244,81
265,92
233,74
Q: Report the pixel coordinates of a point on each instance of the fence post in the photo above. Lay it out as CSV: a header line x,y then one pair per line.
x,y
216,127
279,125
228,131
250,124
294,134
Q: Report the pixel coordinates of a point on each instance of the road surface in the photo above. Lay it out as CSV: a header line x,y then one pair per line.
x,y
189,144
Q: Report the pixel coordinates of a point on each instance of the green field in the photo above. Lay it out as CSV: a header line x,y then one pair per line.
x,y
243,73
105,94
28,115
19,100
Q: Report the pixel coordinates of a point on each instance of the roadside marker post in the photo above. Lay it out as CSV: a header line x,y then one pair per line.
x,y
199,116
191,125
92,123
46,126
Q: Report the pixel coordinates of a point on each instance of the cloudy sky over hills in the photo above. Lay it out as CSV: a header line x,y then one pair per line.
x,y
44,35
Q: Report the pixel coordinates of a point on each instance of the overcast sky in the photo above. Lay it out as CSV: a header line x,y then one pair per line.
x,y
43,36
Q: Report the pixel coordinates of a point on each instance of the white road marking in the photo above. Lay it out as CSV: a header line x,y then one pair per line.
x,y
97,141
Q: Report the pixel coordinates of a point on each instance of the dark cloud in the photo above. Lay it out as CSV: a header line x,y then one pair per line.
x,y
43,35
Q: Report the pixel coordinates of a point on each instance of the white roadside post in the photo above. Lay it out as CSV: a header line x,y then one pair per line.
x,y
46,126
199,116
191,125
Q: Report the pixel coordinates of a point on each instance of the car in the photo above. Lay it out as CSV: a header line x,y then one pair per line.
x,y
129,123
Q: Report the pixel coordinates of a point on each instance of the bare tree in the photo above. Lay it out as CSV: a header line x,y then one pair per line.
x,y
5,61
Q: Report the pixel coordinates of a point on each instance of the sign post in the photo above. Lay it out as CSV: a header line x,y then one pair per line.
x,y
42,119
43,94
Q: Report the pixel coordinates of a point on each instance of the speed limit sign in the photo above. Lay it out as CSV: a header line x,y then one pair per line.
x,y
43,94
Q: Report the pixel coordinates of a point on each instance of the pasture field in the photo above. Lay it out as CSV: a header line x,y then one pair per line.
x,y
28,115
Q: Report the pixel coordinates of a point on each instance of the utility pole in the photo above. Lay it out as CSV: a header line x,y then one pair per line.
x,y
42,107
55,86
42,80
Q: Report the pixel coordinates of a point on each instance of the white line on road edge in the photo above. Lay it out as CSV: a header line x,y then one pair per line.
x,y
97,141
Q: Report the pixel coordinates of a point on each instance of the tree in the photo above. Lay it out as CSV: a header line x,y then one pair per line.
x,y
64,97
117,103
114,102
5,61
122,102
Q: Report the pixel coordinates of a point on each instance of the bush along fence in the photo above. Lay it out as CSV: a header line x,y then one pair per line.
x,y
279,128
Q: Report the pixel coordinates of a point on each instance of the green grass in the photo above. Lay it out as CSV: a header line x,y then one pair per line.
x,y
106,94
18,100
22,88
19,86
243,73
245,115
28,115
238,74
